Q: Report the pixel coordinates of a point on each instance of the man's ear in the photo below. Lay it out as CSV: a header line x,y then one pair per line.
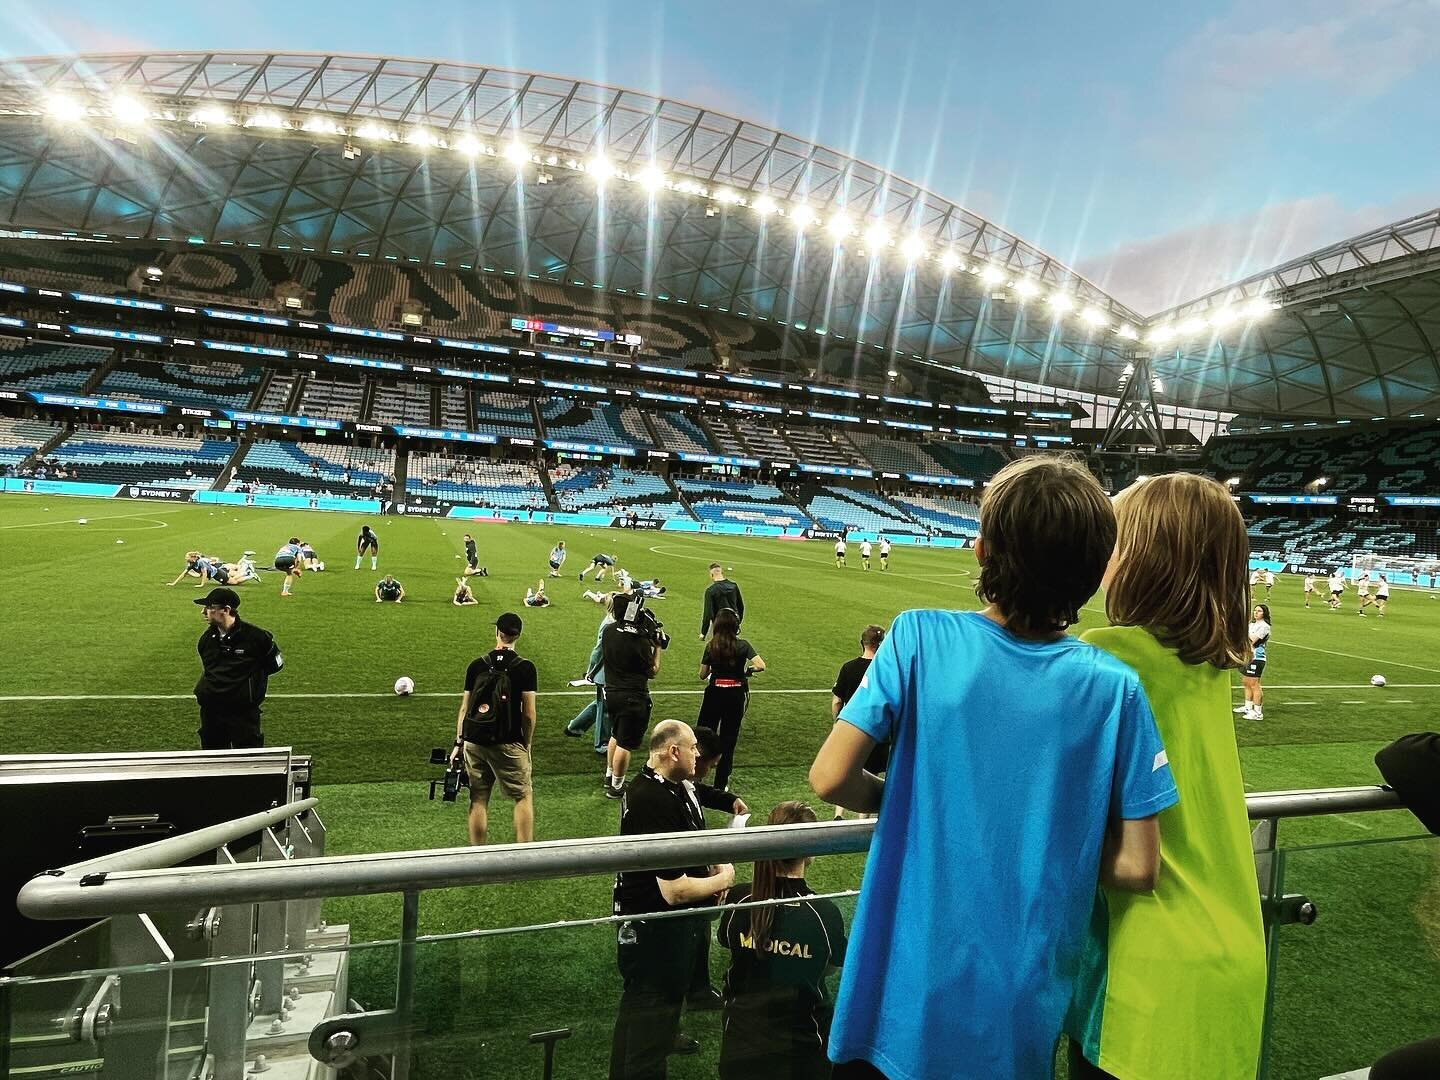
x,y
979,551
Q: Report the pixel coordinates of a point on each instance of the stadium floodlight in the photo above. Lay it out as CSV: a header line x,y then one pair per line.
x,y
64,108
1156,385
420,136
600,168
1258,308
1126,331
728,196
1223,317
950,260
128,111
839,227
803,216
991,275
1061,302
320,125
764,206
690,187
650,178
517,153
1025,287
211,116
372,131
1093,316
876,236
913,248
1160,334
272,121
1191,327
468,145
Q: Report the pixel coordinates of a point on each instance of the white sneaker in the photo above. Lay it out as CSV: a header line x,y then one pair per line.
x,y
1243,710
1255,714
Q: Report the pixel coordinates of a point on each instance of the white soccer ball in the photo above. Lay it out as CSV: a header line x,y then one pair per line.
x,y
404,686
119,541
1377,680
82,521
320,566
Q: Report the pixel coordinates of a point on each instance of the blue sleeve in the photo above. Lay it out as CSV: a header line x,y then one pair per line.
x,y
877,704
1144,784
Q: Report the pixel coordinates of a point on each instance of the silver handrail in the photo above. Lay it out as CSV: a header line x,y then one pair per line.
x,y
62,895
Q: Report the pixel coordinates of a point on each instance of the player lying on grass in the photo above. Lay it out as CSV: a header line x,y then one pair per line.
x,y
308,559
536,597
209,569
464,595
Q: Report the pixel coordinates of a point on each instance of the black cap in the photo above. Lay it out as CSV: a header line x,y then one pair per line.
x,y
509,624
220,598
1411,765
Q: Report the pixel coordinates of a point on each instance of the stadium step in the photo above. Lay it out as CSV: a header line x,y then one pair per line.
x,y
680,497
232,464
545,482
98,375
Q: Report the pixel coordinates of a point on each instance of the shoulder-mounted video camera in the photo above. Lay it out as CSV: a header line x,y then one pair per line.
x,y
630,611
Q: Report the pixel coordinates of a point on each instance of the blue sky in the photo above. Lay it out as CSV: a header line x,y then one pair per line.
x,y
1162,149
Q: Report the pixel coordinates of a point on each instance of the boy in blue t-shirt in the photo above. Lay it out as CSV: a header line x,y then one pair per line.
x,y
1025,766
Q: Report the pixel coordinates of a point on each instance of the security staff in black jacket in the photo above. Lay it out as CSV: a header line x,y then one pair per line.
x,y
657,956
238,659
721,593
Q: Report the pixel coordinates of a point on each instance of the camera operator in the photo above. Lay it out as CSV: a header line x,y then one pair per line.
x,y
495,729
657,957
238,659
631,648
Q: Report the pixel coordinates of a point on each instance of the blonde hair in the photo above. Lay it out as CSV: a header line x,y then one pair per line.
x,y
1182,563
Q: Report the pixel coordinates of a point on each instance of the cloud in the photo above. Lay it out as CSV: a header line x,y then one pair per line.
x,y
1155,274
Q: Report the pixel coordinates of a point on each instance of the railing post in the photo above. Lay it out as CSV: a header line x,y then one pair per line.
x,y
136,1044
1268,864
271,934
228,1015
405,985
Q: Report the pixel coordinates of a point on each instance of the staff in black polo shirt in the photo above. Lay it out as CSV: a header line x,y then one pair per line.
x,y
238,659
847,682
657,956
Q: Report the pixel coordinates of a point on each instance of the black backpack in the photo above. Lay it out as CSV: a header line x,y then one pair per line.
x,y
492,717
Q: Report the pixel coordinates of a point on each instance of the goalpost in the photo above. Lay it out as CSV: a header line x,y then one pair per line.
x,y
1399,570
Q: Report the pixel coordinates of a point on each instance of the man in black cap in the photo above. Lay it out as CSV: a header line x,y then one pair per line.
x,y
495,728
238,660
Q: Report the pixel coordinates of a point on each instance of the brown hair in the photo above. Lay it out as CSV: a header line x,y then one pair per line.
x,y
1048,530
767,872
722,638
1181,568
871,637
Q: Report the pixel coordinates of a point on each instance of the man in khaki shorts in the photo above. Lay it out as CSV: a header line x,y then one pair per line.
x,y
495,728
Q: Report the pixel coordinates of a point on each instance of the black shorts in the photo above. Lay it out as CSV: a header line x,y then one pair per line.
x,y
1254,669
1336,592
285,562
368,545
554,565
629,716
472,561
602,560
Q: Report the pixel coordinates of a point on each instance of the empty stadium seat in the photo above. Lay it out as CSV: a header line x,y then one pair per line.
x,y
43,365
614,489
207,385
741,502
680,433
500,484
315,468
21,438
145,459
593,422
850,508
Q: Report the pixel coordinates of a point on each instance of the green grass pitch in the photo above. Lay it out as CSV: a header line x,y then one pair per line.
x,y
82,614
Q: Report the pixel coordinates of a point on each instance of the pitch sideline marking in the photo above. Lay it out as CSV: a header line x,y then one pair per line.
x,y
657,549
1355,656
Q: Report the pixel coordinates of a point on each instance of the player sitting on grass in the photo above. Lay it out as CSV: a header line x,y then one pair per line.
x,y
464,595
387,589
536,597
557,558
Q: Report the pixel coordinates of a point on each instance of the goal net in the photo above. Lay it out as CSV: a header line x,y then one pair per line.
x,y
1398,569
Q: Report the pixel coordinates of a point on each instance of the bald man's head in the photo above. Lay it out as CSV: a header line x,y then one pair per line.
x,y
673,750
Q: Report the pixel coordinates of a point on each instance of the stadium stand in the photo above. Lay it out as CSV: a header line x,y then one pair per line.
x,y
678,432
206,385
977,463
817,447
277,392
593,421
144,459
850,508
493,302
893,455
503,414
740,502
763,439
333,399
454,408
940,514
668,330
45,366
727,442
1396,460
615,489
315,468
1327,542
21,438
499,484
401,403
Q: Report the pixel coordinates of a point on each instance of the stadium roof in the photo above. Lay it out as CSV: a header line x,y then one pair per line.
x,y
437,163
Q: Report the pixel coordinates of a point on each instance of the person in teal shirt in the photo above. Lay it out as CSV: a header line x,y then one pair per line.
x,y
1025,766
1173,981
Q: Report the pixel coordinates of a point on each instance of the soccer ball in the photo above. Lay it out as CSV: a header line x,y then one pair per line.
x,y
1377,680
320,566
404,686
82,521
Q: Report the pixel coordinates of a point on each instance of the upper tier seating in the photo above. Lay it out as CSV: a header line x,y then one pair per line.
x,y
503,414
894,455
763,439
1326,542
1397,460
503,485
454,407
815,446
615,489
144,458
315,468
207,385
333,399
42,365
277,392
850,508
740,502
678,432
401,403
593,422
978,463
941,514
21,438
